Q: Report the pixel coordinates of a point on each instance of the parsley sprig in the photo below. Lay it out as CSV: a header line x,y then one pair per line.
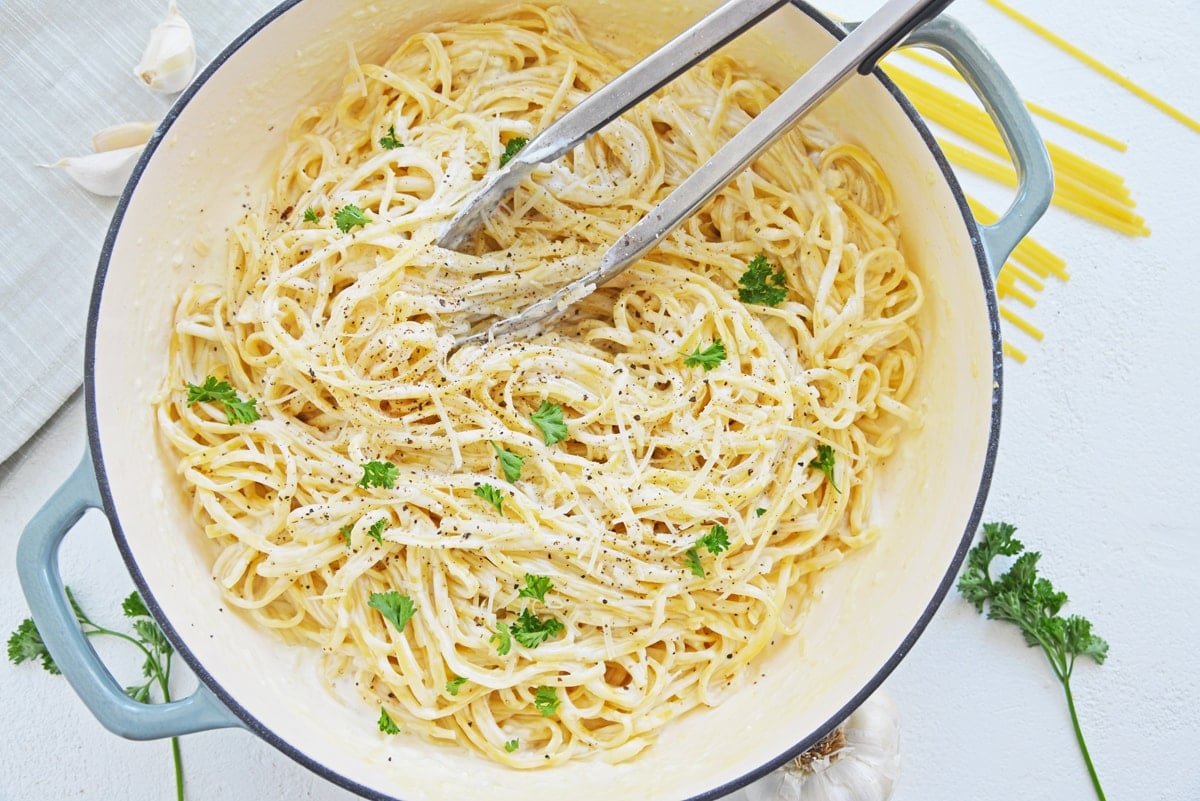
x,y
350,216
1031,603
549,419
715,541
491,495
762,284
512,148
389,141
379,474
397,608
546,700
531,630
708,358
824,462
310,215
536,587
510,463
214,391
26,644
386,724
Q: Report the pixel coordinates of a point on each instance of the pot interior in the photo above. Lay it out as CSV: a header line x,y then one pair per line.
x,y
215,155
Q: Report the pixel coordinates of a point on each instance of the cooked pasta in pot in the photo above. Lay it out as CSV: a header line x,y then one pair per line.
x,y
547,547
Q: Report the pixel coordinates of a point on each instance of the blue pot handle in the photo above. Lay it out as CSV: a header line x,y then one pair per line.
x,y
37,568
1035,176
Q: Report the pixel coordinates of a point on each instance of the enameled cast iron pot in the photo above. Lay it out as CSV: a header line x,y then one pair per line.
x,y
212,153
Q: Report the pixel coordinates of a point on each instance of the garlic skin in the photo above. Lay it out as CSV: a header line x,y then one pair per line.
x,y
125,134
863,765
104,173
169,62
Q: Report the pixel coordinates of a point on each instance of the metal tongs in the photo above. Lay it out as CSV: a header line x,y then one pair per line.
x,y
860,50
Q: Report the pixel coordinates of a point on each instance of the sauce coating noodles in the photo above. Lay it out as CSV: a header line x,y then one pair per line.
x,y
345,340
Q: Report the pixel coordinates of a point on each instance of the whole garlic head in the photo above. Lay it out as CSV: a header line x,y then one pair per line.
x,y
859,761
169,62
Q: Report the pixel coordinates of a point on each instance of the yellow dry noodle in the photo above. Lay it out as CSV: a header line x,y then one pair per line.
x,y
345,340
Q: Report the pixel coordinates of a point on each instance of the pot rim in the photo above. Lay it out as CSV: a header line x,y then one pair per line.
x,y
280,743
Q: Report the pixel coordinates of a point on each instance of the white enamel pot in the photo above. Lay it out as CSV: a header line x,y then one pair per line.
x,y
210,155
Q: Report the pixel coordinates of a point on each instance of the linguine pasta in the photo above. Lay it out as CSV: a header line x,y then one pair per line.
x,y
345,340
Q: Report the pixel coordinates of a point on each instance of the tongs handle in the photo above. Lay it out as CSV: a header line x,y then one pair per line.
x,y
859,50
606,104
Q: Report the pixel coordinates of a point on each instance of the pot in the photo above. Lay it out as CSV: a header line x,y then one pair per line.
x,y
868,611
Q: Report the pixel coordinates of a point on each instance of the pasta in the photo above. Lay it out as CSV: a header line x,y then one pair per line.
x,y
337,315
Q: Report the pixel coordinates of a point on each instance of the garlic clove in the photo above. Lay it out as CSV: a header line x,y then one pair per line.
x,y
104,173
169,62
125,134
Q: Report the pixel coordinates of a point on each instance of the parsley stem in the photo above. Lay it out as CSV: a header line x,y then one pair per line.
x,y
1082,745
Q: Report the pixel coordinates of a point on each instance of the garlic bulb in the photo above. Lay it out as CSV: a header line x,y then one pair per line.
x,y
104,173
859,761
125,134
170,59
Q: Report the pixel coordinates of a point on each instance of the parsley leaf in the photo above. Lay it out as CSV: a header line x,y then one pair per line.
x,y
395,607
491,495
310,215
1031,603
214,391
512,148
379,474
546,700
349,216
824,462
708,358
549,419
345,532
454,685
760,511
134,606
502,638
375,532
531,631
536,587
386,724
716,540
26,644
512,745
510,463
390,142
761,284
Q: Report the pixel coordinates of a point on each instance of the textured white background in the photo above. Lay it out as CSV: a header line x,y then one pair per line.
x,y
1098,461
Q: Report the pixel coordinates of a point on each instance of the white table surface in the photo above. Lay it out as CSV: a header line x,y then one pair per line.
x,y
1098,466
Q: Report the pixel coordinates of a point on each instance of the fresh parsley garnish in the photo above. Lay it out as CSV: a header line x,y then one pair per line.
x,y
345,532
510,463
25,644
386,724
708,358
531,631
512,148
715,541
390,142
502,638
549,419
536,587
1031,603
454,685
492,496
546,700
375,532
512,745
379,474
310,215
236,409
760,511
397,608
349,216
824,462
762,284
